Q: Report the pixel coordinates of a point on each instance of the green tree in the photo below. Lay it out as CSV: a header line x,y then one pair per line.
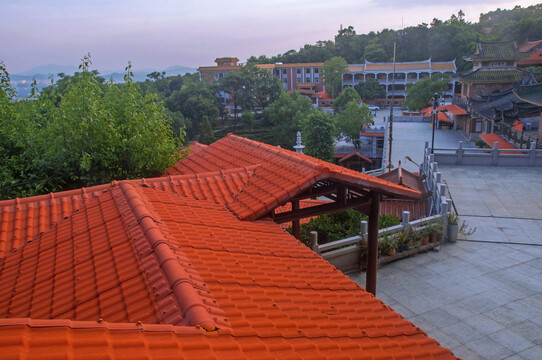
x,y
194,100
207,134
350,121
285,116
420,93
375,52
333,72
370,89
348,95
233,84
94,133
318,130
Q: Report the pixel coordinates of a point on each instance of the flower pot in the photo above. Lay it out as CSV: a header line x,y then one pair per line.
x,y
434,237
425,240
390,252
453,231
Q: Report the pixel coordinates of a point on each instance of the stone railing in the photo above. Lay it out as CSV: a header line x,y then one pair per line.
x,y
531,157
347,254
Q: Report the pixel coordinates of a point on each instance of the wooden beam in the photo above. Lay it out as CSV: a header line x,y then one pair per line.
x,y
319,210
372,242
316,192
296,226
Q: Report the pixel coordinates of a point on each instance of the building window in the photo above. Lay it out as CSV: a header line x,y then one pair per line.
x,y
308,79
308,71
316,70
316,80
276,72
298,71
284,71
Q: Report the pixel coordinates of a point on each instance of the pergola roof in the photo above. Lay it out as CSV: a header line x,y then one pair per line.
x,y
282,175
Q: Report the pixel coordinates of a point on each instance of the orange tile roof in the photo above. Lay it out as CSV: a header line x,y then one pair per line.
x,y
322,95
280,175
355,153
454,109
529,45
140,272
418,65
490,140
444,118
21,220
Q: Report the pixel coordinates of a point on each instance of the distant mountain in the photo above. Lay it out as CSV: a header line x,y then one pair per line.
x,y
179,70
50,69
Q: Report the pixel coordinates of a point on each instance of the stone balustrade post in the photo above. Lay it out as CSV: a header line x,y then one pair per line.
x,y
532,154
495,154
460,152
314,242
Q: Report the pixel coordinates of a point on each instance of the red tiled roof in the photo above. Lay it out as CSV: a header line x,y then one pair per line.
x,y
22,220
353,153
143,272
490,140
322,95
530,45
281,174
443,118
454,109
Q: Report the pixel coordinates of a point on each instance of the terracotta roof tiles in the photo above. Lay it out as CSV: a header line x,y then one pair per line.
x,y
23,219
141,270
280,174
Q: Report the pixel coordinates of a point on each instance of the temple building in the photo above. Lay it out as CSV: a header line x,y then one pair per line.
x,y
308,79
494,69
405,73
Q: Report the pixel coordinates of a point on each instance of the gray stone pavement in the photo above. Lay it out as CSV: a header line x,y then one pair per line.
x,y
480,297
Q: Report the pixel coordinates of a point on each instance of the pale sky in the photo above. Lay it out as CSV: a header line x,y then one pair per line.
x,y
161,33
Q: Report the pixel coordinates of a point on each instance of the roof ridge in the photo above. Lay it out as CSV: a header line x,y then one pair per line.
x,y
282,153
184,290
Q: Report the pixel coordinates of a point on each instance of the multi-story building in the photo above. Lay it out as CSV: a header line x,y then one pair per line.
x,y
405,73
307,78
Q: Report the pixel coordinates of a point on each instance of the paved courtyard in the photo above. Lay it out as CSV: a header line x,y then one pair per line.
x,y
480,297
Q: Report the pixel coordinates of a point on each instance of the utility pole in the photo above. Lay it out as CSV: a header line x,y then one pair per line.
x,y
391,108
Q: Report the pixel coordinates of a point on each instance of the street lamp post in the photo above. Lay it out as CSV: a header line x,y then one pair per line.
x,y
435,104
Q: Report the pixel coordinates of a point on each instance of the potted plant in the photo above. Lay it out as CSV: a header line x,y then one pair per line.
x,y
425,233
388,245
402,241
434,229
414,238
453,227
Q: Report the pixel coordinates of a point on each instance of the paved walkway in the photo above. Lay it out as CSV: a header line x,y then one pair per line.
x,y
481,297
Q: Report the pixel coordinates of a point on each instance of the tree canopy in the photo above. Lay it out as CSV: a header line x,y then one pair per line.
x,y
370,89
348,95
285,116
420,93
333,72
350,121
91,134
441,40
317,131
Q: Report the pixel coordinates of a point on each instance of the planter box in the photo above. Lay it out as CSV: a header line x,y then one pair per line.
x,y
453,232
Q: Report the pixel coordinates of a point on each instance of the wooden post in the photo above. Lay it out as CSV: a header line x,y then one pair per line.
x,y
372,244
296,227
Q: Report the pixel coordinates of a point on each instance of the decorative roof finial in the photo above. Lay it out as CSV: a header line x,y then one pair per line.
x,y
299,147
